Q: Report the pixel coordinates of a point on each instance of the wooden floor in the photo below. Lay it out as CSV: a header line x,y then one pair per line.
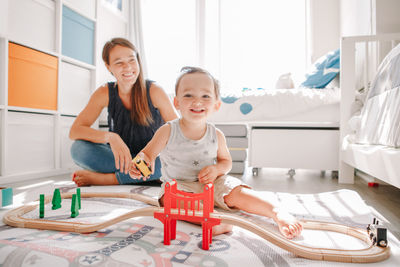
x,y
384,200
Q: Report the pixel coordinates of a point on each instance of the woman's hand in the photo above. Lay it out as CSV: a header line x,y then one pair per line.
x,y
208,174
121,152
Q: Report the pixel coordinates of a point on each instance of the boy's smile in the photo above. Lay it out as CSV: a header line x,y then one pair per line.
x,y
197,110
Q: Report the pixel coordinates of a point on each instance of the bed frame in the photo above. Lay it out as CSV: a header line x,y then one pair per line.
x,y
378,161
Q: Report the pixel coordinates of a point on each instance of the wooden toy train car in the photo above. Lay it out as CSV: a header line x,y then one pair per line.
x,y
141,165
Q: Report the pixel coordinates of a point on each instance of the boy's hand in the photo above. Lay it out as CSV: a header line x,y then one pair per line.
x,y
141,167
208,174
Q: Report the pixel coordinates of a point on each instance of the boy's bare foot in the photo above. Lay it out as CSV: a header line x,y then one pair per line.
x,y
221,229
85,177
289,226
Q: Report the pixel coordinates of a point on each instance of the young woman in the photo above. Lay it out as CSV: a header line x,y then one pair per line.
x,y
136,109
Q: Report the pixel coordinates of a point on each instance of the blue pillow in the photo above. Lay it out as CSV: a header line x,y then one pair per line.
x,y
323,71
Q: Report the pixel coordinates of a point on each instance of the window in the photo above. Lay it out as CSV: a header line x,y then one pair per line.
x,y
113,4
169,34
245,44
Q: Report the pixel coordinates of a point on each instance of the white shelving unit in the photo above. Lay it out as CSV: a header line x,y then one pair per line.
x,y
34,141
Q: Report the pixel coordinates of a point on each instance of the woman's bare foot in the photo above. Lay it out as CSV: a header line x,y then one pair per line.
x,y
85,177
222,228
289,226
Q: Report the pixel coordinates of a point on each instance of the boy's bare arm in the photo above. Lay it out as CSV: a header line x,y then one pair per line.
x,y
224,159
150,152
224,162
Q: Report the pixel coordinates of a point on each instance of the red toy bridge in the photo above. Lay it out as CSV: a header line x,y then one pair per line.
x,y
192,207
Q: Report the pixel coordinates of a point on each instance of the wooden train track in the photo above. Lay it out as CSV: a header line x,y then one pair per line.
x,y
371,253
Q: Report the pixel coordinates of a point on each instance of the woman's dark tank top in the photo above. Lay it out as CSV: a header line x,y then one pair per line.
x,y
135,136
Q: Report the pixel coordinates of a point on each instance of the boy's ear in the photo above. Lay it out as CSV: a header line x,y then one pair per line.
x,y
176,103
218,105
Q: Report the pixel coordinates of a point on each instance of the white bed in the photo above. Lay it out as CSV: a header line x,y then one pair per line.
x,y
288,128
372,157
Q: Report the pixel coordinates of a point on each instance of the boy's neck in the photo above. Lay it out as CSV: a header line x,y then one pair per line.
x,y
193,130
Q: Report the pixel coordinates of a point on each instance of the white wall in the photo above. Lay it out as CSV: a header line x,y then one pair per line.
x,y
387,16
111,23
355,17
363,17
331,19
3,18
324,28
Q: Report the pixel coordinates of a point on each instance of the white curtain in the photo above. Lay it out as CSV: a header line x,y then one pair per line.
x,y
136,31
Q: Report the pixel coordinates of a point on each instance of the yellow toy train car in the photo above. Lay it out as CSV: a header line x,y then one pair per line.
x,y
141,165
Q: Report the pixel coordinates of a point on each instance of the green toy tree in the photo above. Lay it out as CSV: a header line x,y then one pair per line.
x,y
56,201
78,193
74,206
41,207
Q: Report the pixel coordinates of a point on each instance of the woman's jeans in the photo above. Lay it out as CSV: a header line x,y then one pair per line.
x,y
99,158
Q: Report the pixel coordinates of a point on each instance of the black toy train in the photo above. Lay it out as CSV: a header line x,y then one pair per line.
x,y
377,234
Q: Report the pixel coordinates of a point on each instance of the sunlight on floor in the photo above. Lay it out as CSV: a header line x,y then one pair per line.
x,y
19,199
35,185
64,183
328,239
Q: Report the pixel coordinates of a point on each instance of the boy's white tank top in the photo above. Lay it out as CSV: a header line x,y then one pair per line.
x,y
183,158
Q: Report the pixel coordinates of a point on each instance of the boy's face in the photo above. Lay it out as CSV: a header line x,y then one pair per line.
x,y
196,97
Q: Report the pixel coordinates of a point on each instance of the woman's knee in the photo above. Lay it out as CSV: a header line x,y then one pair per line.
x,y
93,156
79,150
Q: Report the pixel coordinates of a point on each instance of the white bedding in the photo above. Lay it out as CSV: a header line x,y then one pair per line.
x,y
311,105
380,116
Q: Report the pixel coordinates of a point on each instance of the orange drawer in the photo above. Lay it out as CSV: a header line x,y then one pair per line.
x,y
32,78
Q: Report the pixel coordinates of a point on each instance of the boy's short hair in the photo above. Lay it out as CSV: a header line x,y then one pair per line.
x,y
188,70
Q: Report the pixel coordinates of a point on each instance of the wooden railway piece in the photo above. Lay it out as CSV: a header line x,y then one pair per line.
x,y
372,253
14,217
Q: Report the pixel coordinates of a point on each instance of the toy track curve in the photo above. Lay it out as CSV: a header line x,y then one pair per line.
x,y
370,254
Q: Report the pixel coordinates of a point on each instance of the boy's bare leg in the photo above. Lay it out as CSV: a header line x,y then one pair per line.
x,y
216,230
244,199
221,228
85,177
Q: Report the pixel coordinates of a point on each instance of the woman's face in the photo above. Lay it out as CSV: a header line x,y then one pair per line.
x,y
124,65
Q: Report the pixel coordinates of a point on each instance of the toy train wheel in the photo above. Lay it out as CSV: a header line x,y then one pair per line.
x,y
291,173
255,171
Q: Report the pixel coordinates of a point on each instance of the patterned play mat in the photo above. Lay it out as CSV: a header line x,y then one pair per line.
x,y
139,241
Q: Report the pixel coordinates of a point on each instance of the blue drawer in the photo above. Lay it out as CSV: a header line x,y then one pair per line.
x,y
77,36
